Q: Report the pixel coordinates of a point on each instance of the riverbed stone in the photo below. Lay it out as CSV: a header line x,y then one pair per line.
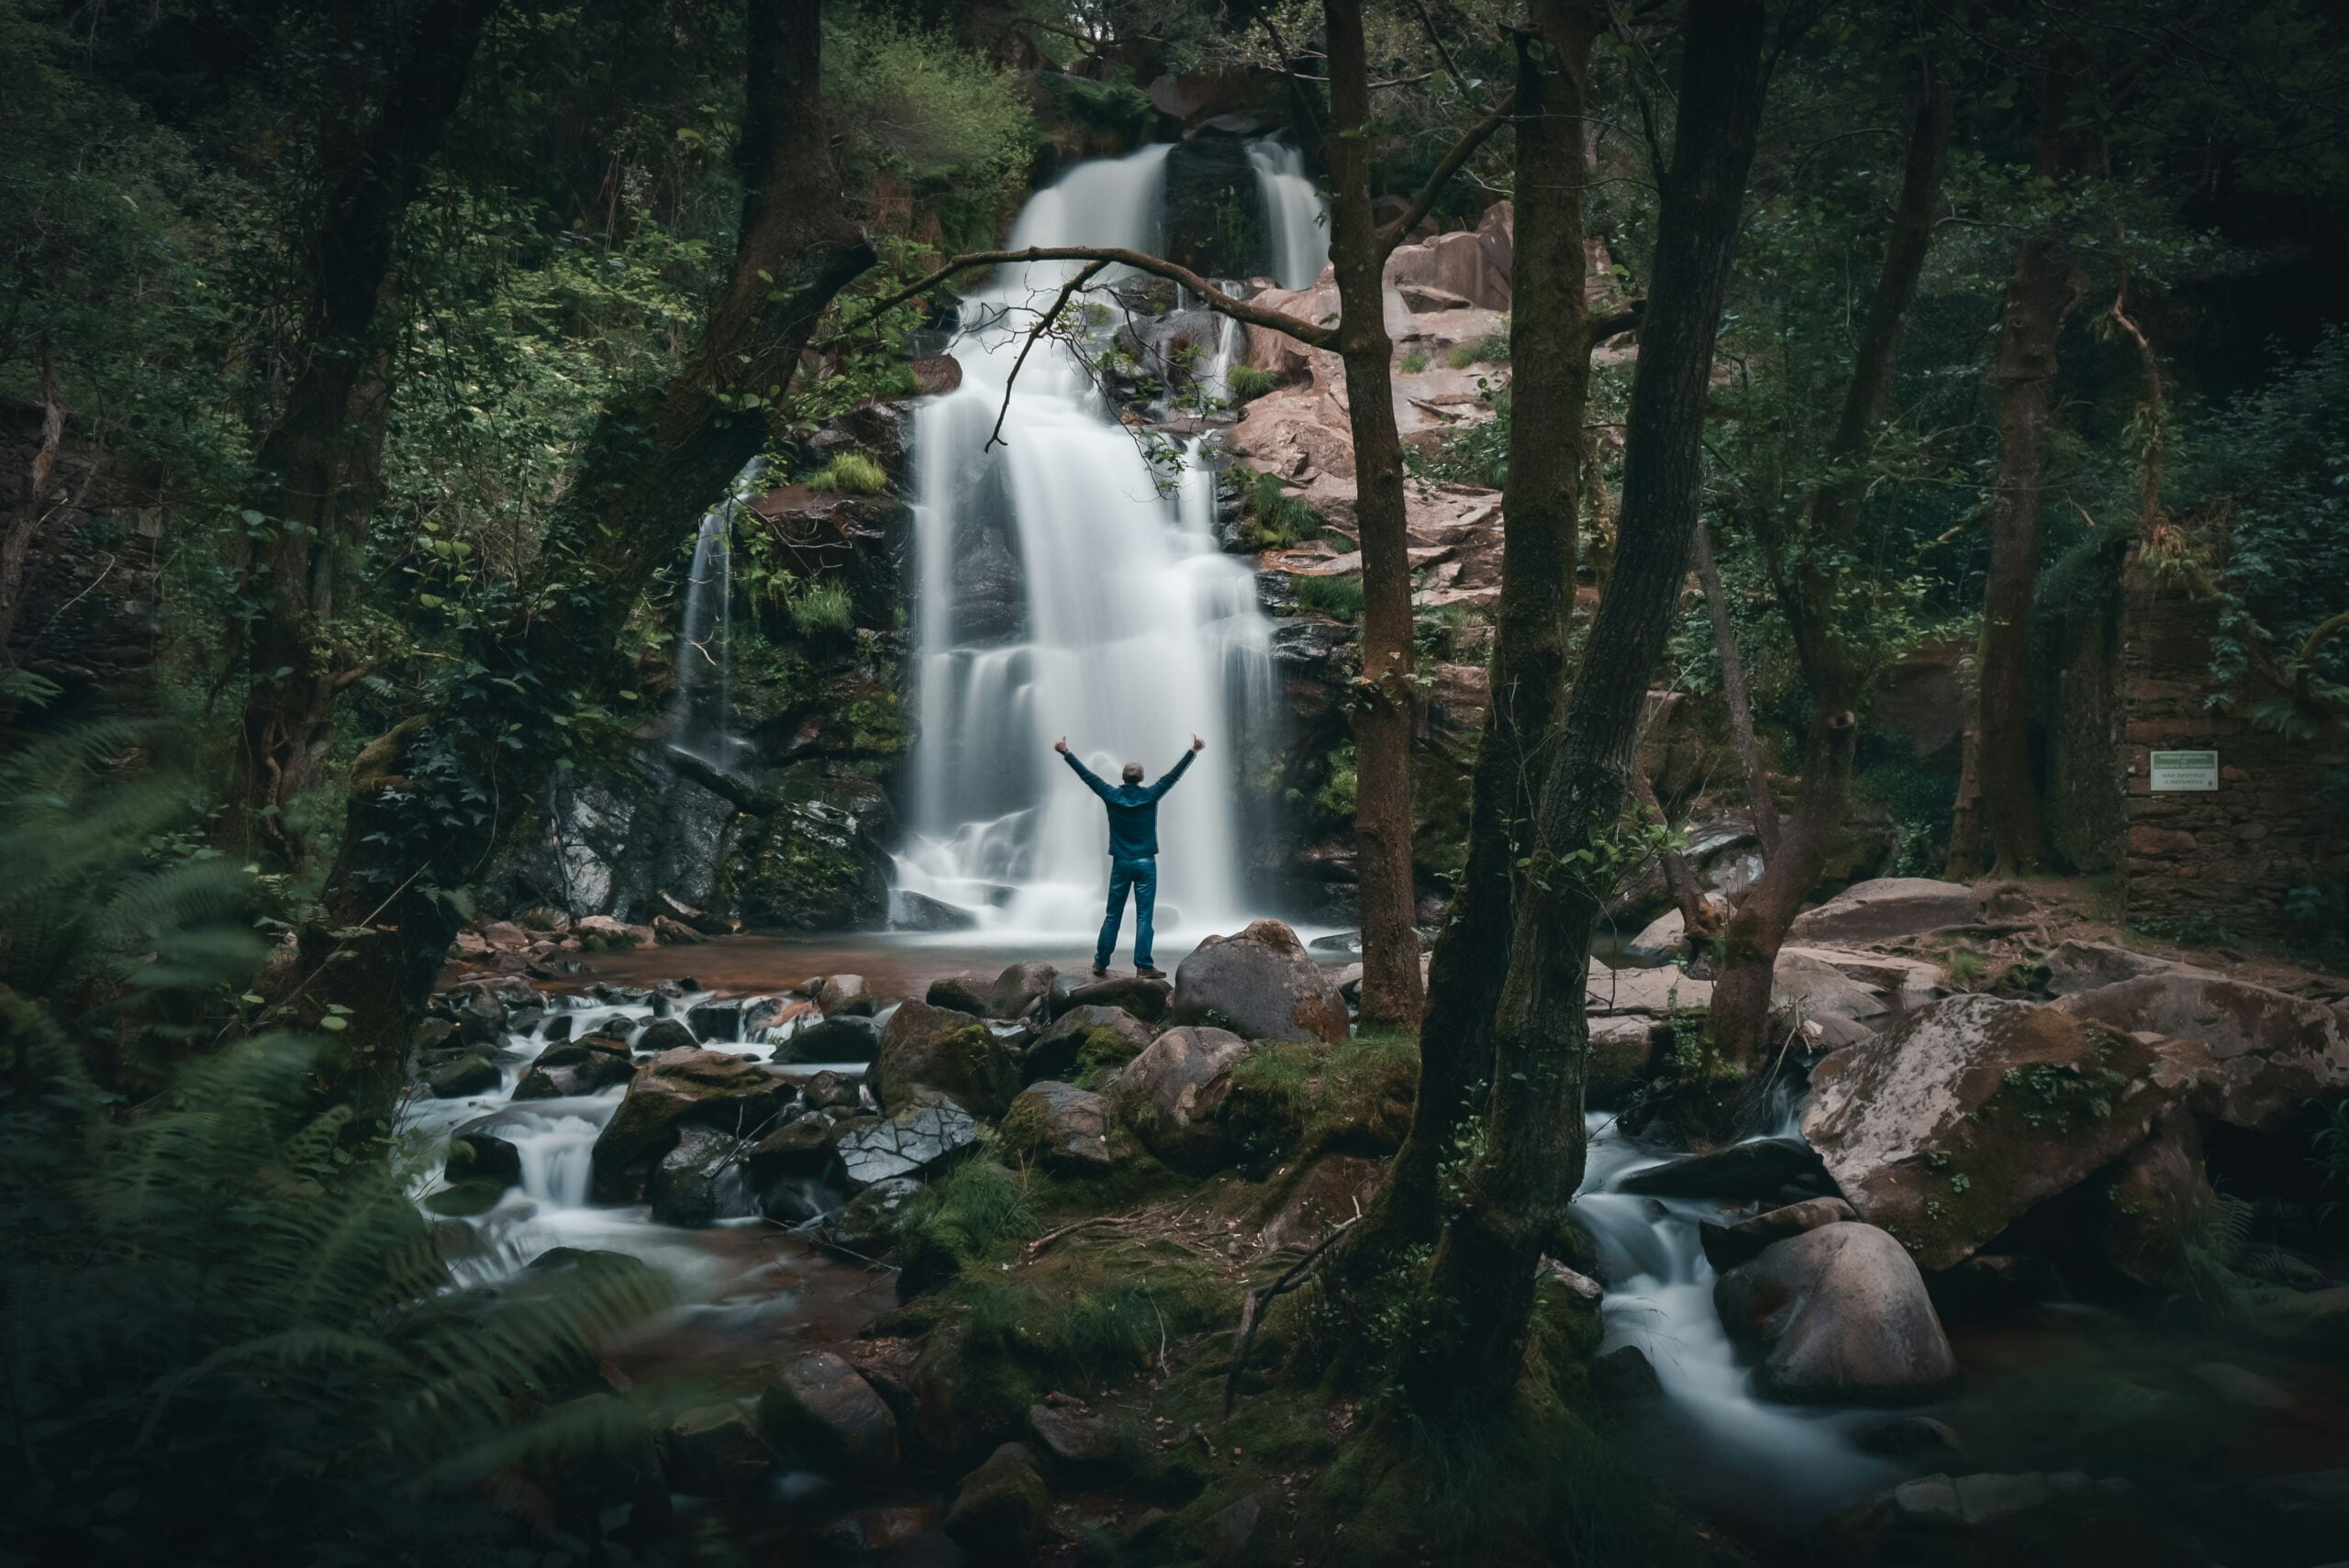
x,y
664,1034
587,1065
1990,1520
1262,985
1099,1035
1801,985
688,1187
1000,1509
1972,1110
820,1406
677,1089
1838,1314
1147,999
1157,1093
911,1140
484,1157
1020,989
839,1037
1885,908
1727,1246
798,1148
716,1450
1647,993
1060,1125
2264,1055
1759,1168
867,1226
966,993
846,993
926,1052
1074,1435
475,1073
2079,965
833,1091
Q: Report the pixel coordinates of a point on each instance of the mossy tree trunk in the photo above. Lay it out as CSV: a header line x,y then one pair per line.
x,y
1467,1357
1825,607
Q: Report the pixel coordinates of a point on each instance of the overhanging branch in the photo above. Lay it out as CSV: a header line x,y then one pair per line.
x,y
1391,235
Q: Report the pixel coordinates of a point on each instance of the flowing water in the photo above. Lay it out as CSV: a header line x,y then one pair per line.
x,y
702,705
1293,211
1070,585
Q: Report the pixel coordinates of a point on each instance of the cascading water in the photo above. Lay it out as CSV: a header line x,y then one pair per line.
x,y
1292,212
1064,591
701,704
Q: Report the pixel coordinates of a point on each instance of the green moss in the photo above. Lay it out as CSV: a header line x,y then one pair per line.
x,y
1272,518
1102,1053
1338,595
978,1213
851,474
877,722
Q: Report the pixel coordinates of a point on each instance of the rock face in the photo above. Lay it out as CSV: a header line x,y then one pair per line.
x,y
1263,983
2264,1055
1758,1168
1157,1092
1946,1127
1019,989
2077,965
1886,908
916,1139
583,1066
1060,1125
823,1407
928,1051
690,1186
677,1089
1836,1314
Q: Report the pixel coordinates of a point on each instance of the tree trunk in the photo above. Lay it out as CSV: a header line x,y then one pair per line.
x,y
2040,294
1549,348
428,806
1469,1354
1741,707
1385,699
314,477
16,545
1818,601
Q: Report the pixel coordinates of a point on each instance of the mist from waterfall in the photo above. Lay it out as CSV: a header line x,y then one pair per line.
x,y
1062,591
1292,213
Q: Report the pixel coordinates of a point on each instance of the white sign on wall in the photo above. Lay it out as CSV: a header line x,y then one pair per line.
x,y
2184,769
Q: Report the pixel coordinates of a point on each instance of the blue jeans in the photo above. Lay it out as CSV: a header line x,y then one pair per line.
x,y
1142,877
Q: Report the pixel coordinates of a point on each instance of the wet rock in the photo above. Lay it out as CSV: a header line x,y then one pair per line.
x,y
1262,985
926,1050
2155,1200
1886,908
911,911
822,1408
1803,986
802,1148
716,1022
1912,980
1098,1035
1647,993
1837,1315
587,1065
844,993
601,933
1972,1110
1157,1093
1727,1246
2264,1055
1000,1509
845,1037
1333,1190
1074,1435
434,1034
484,1157
868,1225
664,1034
1060,1125
1622,1056
1988,1288
1625,1375
833,1091
2076,966
688,1187
1759,1168
961,994
1017,991
881,1528
475,1073
1224,1534
1579,1286
1992,1521
676,1090
916,1139
1913,1439
715,1451
1146,999
674,933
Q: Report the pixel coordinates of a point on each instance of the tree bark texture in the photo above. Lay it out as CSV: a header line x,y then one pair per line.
x,y
1550,347
1733,692
314,476
428,804
16,544
1384,699
1816,596
1469,1354
2040,291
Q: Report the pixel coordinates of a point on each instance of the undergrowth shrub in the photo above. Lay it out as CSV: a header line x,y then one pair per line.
x,y
1247,384
851,474
1338,595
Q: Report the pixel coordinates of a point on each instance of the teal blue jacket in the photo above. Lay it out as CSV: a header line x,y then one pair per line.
x,y
1133,808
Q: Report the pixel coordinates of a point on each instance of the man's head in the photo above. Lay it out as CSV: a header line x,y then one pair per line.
x,y
1133,774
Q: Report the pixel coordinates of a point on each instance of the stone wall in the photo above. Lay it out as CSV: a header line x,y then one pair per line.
x,y
2226,860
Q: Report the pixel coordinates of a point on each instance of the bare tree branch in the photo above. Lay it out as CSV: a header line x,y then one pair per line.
x,y
1076,281
1461,150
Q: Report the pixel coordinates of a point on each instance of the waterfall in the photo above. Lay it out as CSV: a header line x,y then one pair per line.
x,y
1292,211
702,701
1062,591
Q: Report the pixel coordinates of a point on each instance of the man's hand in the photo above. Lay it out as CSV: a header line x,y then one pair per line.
x,y
1197,744
1061,745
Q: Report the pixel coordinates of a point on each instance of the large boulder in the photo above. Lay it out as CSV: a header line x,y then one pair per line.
x,y
926,1052
1762,1168
484,1157
2264,1055
1948,1127
696,1182
1000,1509
715,1451
840,1037
1886,908
1727,1246
1611,992
1806,986
1060,1126
1145,998
1017,991
966,993
686,1087
824,1408
1097,1034
587,1065
2158,1200
840,994
2077,965
906,1142
1157,1092
1992,1521
1837,1314
1262,985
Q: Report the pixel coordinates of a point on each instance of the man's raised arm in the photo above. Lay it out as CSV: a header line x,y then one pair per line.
x,y
1163,785
1092,780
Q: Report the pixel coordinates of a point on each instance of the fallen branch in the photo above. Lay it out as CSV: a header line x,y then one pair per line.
x,y
1251,1308
1040,1242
